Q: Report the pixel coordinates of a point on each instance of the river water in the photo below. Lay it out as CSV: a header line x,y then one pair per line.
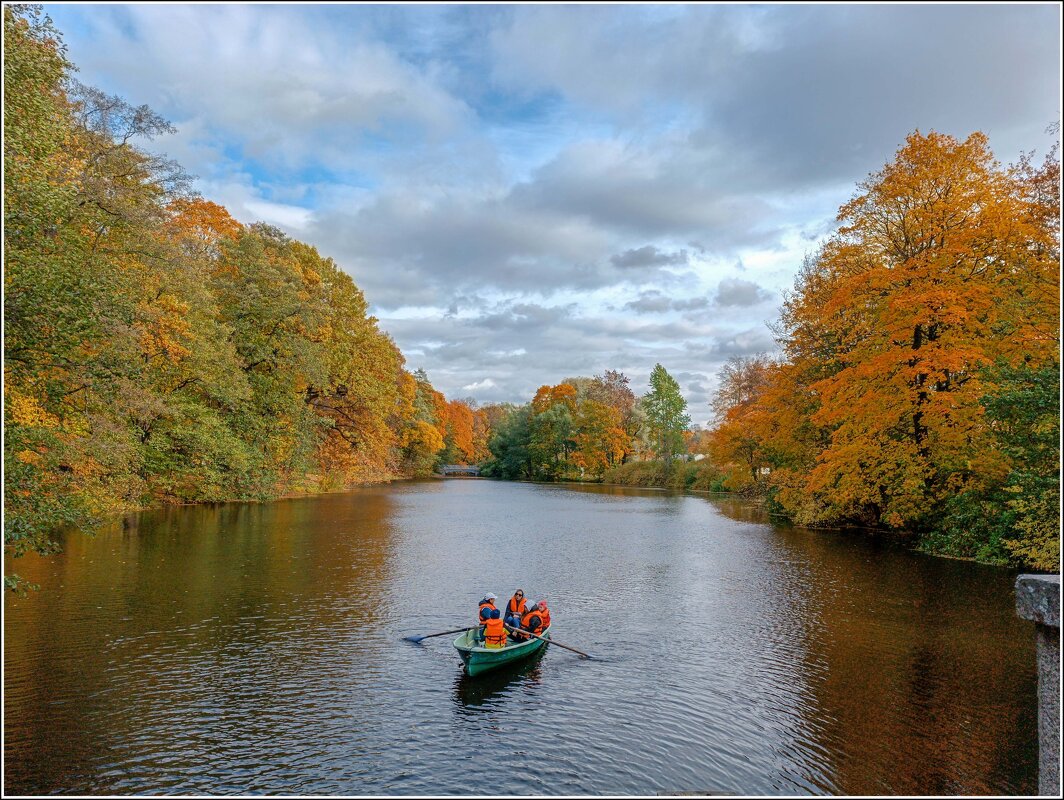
x,y
257,648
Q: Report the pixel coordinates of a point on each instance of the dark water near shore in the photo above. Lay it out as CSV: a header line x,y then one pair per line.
x,y
257,649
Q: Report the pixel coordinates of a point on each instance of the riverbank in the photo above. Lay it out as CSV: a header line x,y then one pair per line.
x,y
694,475
702,476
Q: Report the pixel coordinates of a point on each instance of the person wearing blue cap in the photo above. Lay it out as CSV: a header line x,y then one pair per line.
x,y
494,632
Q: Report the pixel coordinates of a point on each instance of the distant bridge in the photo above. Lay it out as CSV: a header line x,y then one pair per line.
x,y
460,469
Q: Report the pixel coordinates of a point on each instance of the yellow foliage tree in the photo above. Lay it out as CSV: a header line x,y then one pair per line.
x,y
945,263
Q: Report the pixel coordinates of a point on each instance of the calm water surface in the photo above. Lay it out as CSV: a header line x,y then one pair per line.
x,y
257,649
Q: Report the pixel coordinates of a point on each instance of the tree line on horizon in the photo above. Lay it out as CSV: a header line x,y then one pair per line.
x,y
583,427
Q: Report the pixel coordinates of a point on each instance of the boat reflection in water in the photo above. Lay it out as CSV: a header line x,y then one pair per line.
x,y
485,691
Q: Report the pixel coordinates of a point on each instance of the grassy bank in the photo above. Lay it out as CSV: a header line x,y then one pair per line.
x,y
697,475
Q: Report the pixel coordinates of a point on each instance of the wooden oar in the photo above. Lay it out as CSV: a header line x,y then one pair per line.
x,y
548,641
416,639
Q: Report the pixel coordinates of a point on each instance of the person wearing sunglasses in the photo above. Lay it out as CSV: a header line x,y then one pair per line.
x,y
515,609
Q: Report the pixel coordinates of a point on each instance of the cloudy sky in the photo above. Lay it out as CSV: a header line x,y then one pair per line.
x,y
527,193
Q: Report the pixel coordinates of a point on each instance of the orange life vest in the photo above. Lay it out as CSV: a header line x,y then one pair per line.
x,y
544,614
485,604
529,624
516,608
494,633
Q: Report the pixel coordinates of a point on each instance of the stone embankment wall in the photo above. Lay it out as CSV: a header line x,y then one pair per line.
x,y
1038,599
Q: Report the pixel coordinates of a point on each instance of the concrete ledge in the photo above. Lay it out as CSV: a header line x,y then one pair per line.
x,y
1038,599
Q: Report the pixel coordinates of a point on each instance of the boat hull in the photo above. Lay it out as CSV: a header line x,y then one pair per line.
x,y
477,660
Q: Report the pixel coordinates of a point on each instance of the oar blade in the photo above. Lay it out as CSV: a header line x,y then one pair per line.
x,y
417,639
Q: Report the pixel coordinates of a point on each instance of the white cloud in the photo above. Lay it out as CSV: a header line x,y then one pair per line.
x,y
292,217
534,192
292,90
479,386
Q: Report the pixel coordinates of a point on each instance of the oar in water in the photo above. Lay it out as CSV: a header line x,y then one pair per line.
x,y
549,641
416,639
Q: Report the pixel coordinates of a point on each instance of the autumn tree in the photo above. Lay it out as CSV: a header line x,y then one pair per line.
x,y
612,389
551,429
458,433
180,407
738,439
422,440
600,440
365,396
156,349
602,411
82,210
945,263
39,489
483,419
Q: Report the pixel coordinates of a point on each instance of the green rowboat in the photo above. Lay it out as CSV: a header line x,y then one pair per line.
x,y
478,659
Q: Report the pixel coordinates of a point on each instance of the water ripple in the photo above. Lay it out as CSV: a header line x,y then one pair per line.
x,y
251,649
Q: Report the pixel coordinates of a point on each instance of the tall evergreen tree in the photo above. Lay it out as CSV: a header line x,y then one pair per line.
x,y
666,414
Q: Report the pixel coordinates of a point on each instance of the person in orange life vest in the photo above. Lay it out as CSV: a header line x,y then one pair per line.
x,y
487,605
544,613
531,620
494,632
515,608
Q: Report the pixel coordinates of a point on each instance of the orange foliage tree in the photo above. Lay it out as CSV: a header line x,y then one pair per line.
x,y
458,420
738,442
481,435
945,263
601,441
551,428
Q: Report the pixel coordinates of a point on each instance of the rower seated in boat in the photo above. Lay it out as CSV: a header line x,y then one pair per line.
x,y
535,620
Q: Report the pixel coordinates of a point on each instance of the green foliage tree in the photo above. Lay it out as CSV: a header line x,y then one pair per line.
x,y
1012,517
510,446
550,441
666,416
157,350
